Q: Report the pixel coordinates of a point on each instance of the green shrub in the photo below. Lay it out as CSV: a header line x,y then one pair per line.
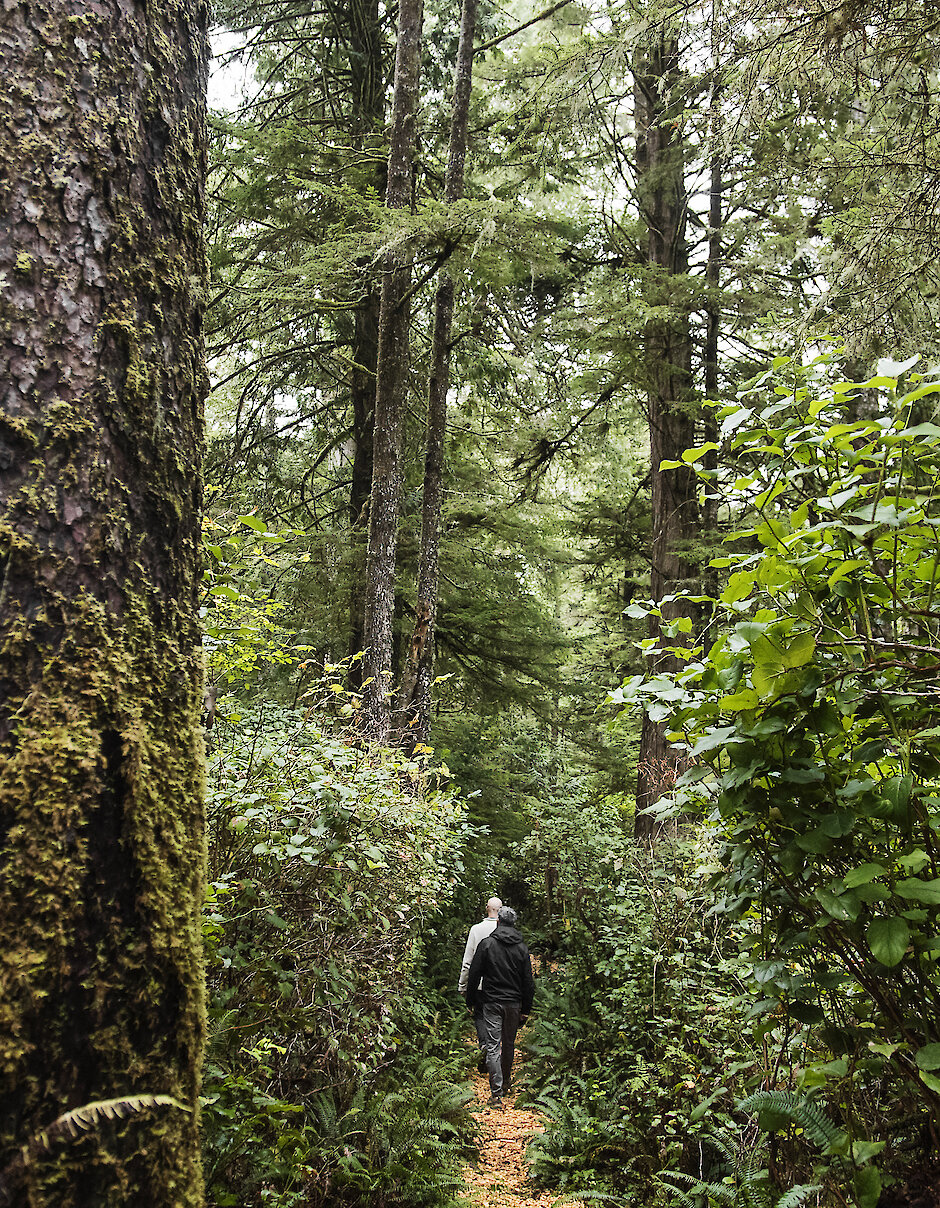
x,y
326,1081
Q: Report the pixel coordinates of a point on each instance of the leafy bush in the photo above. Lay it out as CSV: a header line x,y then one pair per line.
x,y
325,1083
810,726
640,1024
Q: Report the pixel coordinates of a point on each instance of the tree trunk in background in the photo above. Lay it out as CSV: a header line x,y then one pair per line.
x,y
414,718
394,321
713,306
672,413
102,133
368,114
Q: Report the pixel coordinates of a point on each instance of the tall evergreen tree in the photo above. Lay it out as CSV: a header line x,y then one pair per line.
x,y
414,700
671,408
392,362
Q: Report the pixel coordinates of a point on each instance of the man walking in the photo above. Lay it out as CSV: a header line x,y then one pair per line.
x,y
478,932
500,989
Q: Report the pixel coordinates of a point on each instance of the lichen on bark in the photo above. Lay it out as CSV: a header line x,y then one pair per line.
x,y
102,380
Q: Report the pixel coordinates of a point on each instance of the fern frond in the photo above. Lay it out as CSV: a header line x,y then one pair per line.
x,y
721,1192
76,1122
816,1125
796,1195
84,1119
754,1181
583,1197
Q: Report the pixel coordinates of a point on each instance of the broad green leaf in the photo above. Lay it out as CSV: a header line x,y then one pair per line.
x,y
775,655
920,392
913,889
717,737
747,698
914,861
888,939
888,367
698,452
739,587
845,909
815,841
867,1187
919,431
885,1050
846,569
253,523
862,875
864,1151
928,1057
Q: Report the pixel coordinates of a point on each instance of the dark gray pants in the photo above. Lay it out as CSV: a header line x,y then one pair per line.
x,y
497,1024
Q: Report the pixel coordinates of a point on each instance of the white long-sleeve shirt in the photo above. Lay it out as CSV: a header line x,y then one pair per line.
x,y
478,932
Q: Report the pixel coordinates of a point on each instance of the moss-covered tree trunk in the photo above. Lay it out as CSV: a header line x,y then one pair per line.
x,y
102,124
671,411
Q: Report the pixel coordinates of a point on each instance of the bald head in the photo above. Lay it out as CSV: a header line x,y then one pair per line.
x,y
493,907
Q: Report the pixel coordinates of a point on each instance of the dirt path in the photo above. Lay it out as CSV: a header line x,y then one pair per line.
x,y
499,1179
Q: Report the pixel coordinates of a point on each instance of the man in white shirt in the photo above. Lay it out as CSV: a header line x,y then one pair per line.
x,y
478,932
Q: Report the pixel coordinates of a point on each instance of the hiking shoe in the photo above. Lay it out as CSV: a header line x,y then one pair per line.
x,y
496,1103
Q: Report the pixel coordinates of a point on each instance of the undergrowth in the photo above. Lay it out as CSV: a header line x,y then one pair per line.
x,y
335,1074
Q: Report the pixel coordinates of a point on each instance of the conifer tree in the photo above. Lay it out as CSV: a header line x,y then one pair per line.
x,y
394,325
671,407
414,699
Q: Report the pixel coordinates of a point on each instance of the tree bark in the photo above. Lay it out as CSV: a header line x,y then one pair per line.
x,y
102,133
672,413
414,718
394,322
713,306
368,111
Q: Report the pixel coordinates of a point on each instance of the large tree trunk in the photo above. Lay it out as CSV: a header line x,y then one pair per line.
x,y
394,322
102,134
663,202
414,718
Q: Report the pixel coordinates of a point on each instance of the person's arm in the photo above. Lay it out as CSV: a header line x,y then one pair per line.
x,y
475,975
528,983
468,954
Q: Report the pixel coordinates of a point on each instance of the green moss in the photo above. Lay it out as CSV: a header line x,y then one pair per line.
x,y
24,264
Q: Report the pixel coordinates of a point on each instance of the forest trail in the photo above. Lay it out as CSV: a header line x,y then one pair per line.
x,y
499,1178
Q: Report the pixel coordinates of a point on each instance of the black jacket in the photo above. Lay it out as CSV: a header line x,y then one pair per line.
x,y
502,963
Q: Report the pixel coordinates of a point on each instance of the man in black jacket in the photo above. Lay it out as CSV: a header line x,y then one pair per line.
x,y
504,999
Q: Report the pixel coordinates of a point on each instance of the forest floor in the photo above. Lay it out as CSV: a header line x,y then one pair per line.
x,y
499,1179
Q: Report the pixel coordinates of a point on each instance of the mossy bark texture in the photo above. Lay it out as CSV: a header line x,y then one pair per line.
x,y
102,136
672,412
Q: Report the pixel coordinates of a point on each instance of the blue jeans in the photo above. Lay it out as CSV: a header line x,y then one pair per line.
x,y
497,1024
